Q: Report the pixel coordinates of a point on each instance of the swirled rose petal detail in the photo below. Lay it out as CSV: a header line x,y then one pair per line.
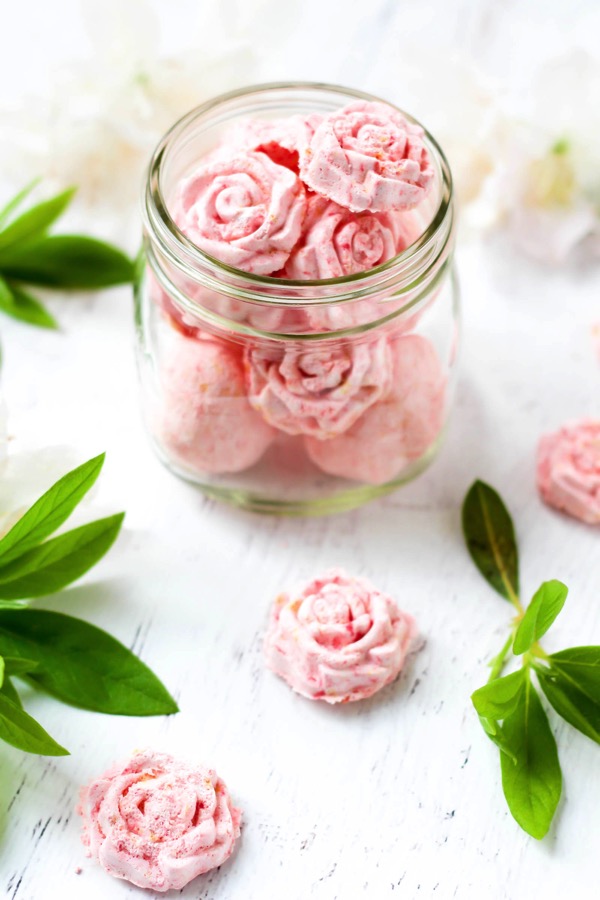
x,y
245,211
301,390
399,428
337,242
338,639
158,822
367,156
568,470
204,420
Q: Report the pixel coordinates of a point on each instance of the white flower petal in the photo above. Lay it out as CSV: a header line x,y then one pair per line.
x,y
550,235
122,34
102,118
26,475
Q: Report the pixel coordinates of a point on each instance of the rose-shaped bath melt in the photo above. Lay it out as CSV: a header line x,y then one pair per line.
x,y
246,211
339,639
337,242
204,417
398,429
280,139
158,822
301,390
367,156
568,470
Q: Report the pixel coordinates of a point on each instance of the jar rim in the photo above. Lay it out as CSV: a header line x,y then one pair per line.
x,y
159,222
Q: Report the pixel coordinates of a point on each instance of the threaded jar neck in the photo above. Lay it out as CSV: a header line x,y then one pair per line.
x,y
176,261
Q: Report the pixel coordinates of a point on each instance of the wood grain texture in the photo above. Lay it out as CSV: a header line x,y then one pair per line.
x,y
398,796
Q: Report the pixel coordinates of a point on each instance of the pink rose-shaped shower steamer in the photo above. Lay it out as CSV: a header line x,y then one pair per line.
x,y
339,639
568,470
246,211
158,822
302,390
367,156
396,430
337,242
205,419
280,139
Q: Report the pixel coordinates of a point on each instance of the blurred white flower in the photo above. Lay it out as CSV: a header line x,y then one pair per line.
x,y
551,190
103,117
537,170
25,475
461,108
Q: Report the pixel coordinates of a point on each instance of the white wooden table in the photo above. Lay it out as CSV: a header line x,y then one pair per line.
x,y
395,797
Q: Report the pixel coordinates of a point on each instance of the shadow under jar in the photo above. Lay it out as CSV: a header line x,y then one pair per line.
x,y
285,395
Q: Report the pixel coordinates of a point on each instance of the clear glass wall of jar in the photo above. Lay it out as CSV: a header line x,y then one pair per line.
x,y
297,397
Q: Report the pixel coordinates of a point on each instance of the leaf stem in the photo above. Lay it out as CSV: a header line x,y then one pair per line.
x,y
514,599
499,660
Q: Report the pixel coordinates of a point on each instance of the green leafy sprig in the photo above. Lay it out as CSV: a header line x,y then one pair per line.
x,y
68,658
509,706
31,256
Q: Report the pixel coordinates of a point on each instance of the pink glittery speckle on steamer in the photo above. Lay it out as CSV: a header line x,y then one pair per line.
x,y
301,390
336,242
339,639
367,156
158,822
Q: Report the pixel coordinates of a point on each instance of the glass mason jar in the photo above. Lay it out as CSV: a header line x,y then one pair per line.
x,y
297,397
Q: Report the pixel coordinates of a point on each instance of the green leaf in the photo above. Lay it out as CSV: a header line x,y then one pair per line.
x,y
24,307
494,732
35,221
7,301
1,671
13,604
490,539
545,606
579,710
22,731
16,201
489,726
494,701
51,510
67,261
498,698
581,664
532,786
15,665
572,686
82,665
57,562
9,691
